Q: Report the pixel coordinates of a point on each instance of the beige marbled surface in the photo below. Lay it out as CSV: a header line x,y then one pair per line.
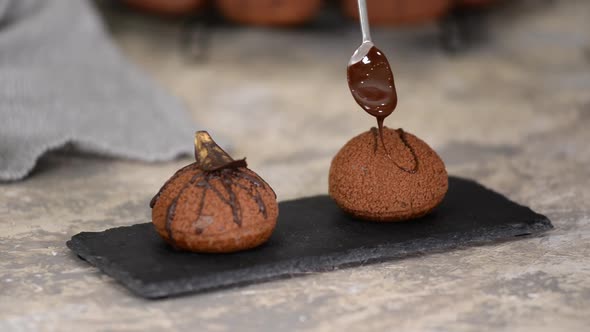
x,y
513,113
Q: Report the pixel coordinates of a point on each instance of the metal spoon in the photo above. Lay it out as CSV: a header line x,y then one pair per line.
x,y
369,76
367,43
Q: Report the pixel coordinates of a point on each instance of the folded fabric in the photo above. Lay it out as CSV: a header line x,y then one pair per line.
x,y
63,82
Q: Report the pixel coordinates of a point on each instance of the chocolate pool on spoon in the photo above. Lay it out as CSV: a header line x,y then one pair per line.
x,y
401,178
369,76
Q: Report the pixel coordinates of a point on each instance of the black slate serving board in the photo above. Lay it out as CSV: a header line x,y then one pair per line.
x,y
312,235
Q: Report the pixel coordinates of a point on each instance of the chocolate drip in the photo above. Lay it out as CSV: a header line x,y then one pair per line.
x,y
372,85
255,194
233,201
257,181
228,178
230,200
380,126
172,208
404,138
200,210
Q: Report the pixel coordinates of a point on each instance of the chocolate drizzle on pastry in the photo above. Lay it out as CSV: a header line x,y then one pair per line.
x,y
214,164
404,138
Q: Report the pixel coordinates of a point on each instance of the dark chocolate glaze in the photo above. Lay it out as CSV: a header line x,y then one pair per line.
x,y
371,83
228,178
404,138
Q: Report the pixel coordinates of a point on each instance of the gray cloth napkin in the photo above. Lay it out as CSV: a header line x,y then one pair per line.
x,y
62,82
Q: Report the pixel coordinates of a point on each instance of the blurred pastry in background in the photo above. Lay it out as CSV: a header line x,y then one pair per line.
x,y
269,12
400,12
476,3
168,7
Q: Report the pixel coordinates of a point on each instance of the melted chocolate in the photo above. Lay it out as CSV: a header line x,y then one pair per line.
x,y
371,83
404,138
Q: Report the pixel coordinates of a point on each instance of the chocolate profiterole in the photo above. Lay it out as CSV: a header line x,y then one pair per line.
x,y
215,205
384,174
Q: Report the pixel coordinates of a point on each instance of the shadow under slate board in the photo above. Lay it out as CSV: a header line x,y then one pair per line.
x,y
312,235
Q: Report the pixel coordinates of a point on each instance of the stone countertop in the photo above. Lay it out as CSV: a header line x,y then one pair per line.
x,y
512,112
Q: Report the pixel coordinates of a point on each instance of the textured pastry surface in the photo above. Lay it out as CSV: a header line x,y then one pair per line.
x,y
407,182
222,211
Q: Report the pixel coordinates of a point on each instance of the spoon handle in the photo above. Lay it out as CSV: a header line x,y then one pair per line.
x,y
364,17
